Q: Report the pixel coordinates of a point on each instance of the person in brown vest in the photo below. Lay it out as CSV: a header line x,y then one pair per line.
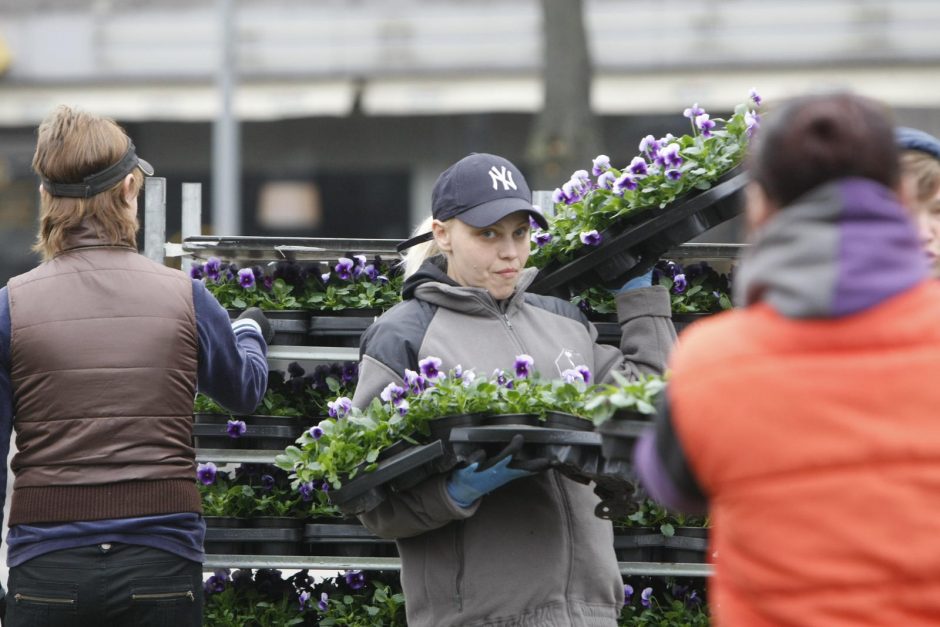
x,y
101,353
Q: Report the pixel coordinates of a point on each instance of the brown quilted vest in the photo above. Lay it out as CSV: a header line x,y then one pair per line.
x,y
103,365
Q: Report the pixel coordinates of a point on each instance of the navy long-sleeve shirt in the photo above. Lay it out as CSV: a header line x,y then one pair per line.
x,y
232,370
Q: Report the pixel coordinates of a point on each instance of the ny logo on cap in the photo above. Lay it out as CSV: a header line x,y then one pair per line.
x,y
502,175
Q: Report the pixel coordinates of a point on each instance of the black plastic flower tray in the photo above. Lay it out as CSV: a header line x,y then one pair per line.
x,y
261,432
276,541
618,437
640,544
335,330
574,453
628,251
347,540
400,471
689,545
291,326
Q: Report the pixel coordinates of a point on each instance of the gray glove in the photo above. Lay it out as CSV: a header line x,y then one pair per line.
x,y
254,313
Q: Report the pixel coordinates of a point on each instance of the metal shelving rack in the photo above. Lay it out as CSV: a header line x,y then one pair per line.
x,y
270,249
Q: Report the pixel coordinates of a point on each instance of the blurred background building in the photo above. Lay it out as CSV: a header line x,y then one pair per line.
x,y
343,112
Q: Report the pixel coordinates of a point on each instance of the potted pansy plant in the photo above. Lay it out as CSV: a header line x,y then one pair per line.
x,y
613,221
664,602
696,290
286,409
276,290
353,442
349,296
624,409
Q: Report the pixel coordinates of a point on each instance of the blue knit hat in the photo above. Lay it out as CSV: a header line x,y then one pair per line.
x,y
914,139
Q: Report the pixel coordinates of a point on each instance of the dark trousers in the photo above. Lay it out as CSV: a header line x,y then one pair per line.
x,y
105,585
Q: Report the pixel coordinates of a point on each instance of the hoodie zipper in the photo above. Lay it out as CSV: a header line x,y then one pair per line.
x,y
458,550
508,323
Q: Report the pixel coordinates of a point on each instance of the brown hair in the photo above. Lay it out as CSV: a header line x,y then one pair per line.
x,y
923,172
816,139
71,145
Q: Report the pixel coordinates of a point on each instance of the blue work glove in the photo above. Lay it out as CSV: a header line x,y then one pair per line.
x,y
644,280
482,476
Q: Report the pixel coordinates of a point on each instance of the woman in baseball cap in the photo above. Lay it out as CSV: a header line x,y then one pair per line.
x,y
920,187
496,545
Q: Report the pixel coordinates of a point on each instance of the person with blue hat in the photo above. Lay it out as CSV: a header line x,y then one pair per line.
x,y
920,187
500,541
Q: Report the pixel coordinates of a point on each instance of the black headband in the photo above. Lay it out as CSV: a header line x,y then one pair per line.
x,y
414,241
100,181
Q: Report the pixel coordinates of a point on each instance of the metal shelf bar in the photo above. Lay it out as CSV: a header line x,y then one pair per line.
x,y
233,455
652,569
319,353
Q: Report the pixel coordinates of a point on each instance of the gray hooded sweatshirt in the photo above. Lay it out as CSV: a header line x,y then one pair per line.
x,y
532,552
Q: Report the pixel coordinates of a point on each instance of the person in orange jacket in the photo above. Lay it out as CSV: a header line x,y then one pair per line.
x,y
805,422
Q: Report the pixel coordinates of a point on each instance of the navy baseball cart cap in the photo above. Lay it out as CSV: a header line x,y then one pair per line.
x,y
100,181
914,139
480,189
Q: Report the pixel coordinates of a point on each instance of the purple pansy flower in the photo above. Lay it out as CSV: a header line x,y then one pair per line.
x,y
267,283
590,238
206,473
540,238
679,284
639,167
558,196
585,372
570,193
627,593
197,271
751,121
323,603
669,156
350,372
213,268
355,579
645,596
649,145
430,367
236,428
316,432
601,164
415,382
673,174
572,376
606,180
753,95
340,407
393,394
502,379
693,111
704,124
625,182
523,366
214,585
303,598
402,407
306,490
344,268
246,278
267,483
325,486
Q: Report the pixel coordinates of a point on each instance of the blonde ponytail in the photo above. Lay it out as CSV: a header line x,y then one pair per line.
x,y
419,253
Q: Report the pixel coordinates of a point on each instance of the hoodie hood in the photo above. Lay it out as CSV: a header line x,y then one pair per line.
x,y
840,249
